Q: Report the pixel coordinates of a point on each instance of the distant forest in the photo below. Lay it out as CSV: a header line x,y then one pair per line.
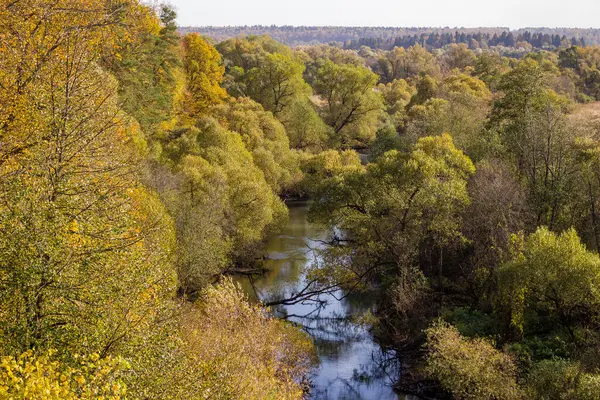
x,y
389,37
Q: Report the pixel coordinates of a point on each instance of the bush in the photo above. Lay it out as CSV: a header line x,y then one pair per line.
x,y
559,379
469,368
241,351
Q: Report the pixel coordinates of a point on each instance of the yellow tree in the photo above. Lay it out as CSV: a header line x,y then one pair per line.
x,y
244,353
34,36
204,70
84,248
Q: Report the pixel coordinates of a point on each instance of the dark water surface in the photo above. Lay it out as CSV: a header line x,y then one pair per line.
x,y
352,365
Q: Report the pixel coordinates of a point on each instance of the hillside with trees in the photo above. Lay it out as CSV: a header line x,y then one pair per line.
x,y
142,167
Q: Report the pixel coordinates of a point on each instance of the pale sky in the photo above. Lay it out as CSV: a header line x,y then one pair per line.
x,y
404,13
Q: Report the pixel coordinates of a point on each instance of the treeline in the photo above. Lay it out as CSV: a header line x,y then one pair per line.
x,y
525,40
314,35
387,37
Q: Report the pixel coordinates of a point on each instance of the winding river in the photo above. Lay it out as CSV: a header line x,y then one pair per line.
x,y
352,365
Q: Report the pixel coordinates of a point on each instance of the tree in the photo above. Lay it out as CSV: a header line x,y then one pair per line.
x,y
146,62
489,67
458,105
276,82
247,52
560,379
587,159
43,377
246,207
408,64
396,96
304,127
553,275
585,62
469,103
34,43
204,72
264,70
458,56
530,120
265,137
469,368
351,106
389,209
93,270
498,209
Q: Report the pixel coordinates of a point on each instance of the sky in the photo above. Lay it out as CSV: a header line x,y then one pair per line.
x,y
401,13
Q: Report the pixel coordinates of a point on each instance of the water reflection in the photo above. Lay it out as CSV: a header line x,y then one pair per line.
x,y
352,365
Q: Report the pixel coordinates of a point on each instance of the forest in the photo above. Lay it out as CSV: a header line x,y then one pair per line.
x,y
388,37
142,169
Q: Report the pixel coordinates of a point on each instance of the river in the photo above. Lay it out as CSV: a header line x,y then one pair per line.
x,y
352,365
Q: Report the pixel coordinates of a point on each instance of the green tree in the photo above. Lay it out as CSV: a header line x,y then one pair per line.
x,y
304,127
585,62
489,67
264,70
350,104
458,105
530,120
469,368
400,63
553,275
265,137
396,96
246,206
276,82
388,209
146,63
558,379
458,56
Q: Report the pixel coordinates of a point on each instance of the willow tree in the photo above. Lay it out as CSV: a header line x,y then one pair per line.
x,y
265,137
554,276
460,105
264,70
388,209
223,204
147,64
350,104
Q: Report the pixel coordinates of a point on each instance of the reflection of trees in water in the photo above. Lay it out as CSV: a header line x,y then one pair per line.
x,y
365,382
336,336
385,364
361,386
334,327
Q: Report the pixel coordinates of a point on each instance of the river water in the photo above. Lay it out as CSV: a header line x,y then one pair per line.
x,y
352,365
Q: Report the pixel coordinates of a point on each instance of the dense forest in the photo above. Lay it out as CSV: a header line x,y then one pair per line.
x,y
141,168
523,41
388,37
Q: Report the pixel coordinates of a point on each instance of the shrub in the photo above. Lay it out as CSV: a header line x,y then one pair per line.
x,y
469,368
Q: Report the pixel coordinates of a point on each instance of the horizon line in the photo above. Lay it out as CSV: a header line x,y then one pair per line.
x,y
385,27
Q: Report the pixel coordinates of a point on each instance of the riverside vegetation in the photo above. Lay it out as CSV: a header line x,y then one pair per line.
x,y
139,168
